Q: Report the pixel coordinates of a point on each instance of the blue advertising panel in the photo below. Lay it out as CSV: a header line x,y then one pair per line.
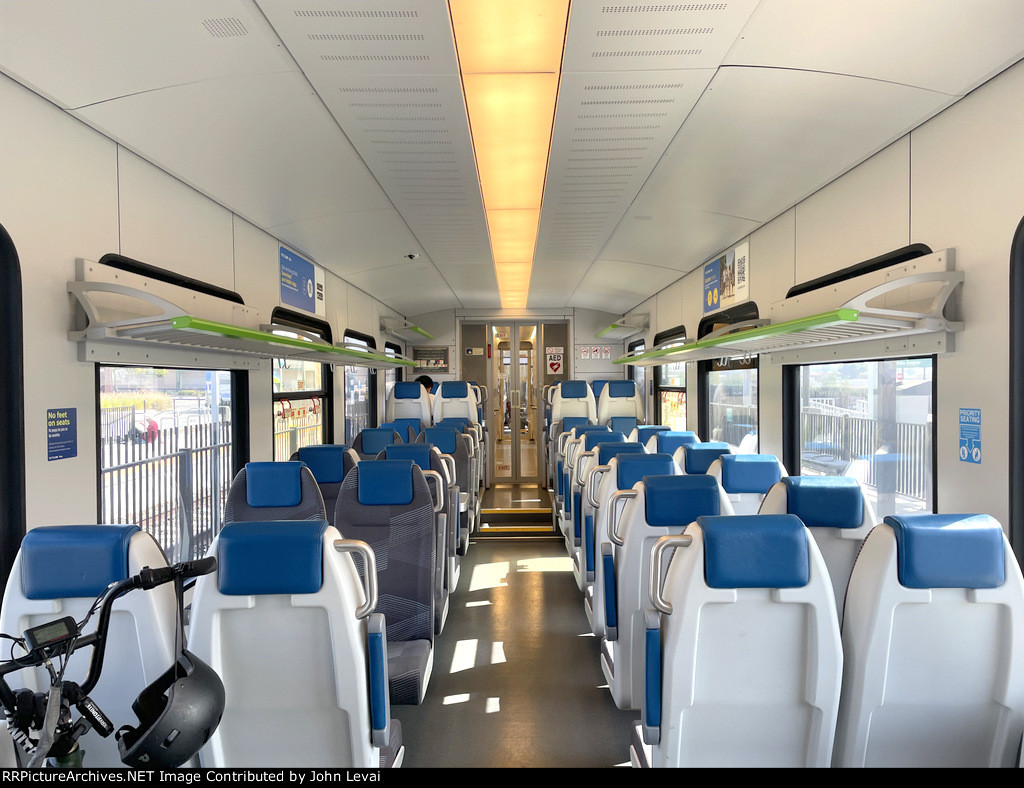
x,y
713,285
301,283
970,435
61,433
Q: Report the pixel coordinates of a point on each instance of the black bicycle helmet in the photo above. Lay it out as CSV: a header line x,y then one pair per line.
x,y
177,715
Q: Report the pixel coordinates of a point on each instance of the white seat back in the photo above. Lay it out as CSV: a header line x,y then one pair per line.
x,y
58,572
751,658
747,478
934,637
654,507
408,400
280,622
838,514
620,398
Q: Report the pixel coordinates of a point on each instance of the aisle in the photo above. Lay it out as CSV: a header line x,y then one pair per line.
x,y
517,681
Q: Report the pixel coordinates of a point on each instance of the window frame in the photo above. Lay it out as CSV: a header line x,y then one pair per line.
x,y
791,438
632,369
674,333
371,393
286,318
734,314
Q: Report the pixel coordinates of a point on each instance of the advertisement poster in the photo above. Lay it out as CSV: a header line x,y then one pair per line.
x,y
727,279
302,283
430,360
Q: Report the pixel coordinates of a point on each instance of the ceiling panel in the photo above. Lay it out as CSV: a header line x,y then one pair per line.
x,y
660,233
616,286
617,36
388,73
611,131
761,139
262,145
348,243
949,47
122,47
418,289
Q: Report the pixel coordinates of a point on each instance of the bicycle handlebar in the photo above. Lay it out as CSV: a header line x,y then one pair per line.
x,y
146,579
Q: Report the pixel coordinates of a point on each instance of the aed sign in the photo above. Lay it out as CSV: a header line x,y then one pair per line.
x,y
970,435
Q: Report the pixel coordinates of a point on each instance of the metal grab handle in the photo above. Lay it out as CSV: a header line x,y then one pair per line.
x,y
593,479
579,468
613,515
449,463
369,571
663,544
439,488
563,437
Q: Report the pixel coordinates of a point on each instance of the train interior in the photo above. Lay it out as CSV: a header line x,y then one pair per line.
x,y
783,233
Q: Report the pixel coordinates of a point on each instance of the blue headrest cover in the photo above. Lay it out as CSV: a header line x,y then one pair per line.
x,y
403,425
385,482
435,387
583,430
573,389
605,451
668,442
698,457
622,423
419,453
645,431
408,389
750,473
755,551
66,561
592,439
326,462
948,550
570,422
454,389
375,439
621,388
283,557
598,386
445,438
273,484
634,467
679,500
388,425
454,421
825,501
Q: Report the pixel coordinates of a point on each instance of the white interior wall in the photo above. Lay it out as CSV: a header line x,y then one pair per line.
x,y
69,192
956,182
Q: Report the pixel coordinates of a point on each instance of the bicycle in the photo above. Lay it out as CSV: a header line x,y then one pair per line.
x,y
177,712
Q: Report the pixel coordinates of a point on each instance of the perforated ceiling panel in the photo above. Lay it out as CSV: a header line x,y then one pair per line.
x,y
631,74
388,73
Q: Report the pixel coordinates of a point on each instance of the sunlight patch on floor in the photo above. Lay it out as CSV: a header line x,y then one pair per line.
x,y
464,657
489,576
451,700
553,564
493,705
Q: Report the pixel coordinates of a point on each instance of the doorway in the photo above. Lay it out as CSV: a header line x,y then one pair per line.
x,y
514,379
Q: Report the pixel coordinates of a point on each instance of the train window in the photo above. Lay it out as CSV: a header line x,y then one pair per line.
x,y
638,374
302,389
394,374
167,452
729,410
875,421
670,383
360,389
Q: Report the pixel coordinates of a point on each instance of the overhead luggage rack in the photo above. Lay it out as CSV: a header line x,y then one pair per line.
x,y
905,305
128,316
625,327
403,329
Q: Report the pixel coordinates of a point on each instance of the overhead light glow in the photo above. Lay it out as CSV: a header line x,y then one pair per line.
x,y
510,56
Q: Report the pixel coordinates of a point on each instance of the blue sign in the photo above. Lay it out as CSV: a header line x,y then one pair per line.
x,y
298,281
713,285
61,433
970,435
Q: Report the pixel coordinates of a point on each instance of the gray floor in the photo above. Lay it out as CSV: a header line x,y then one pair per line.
x,y
517,680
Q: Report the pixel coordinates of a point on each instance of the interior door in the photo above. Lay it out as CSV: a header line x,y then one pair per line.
x,y
514,379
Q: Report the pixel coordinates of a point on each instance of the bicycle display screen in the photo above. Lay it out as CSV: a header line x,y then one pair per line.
x,y
51,634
